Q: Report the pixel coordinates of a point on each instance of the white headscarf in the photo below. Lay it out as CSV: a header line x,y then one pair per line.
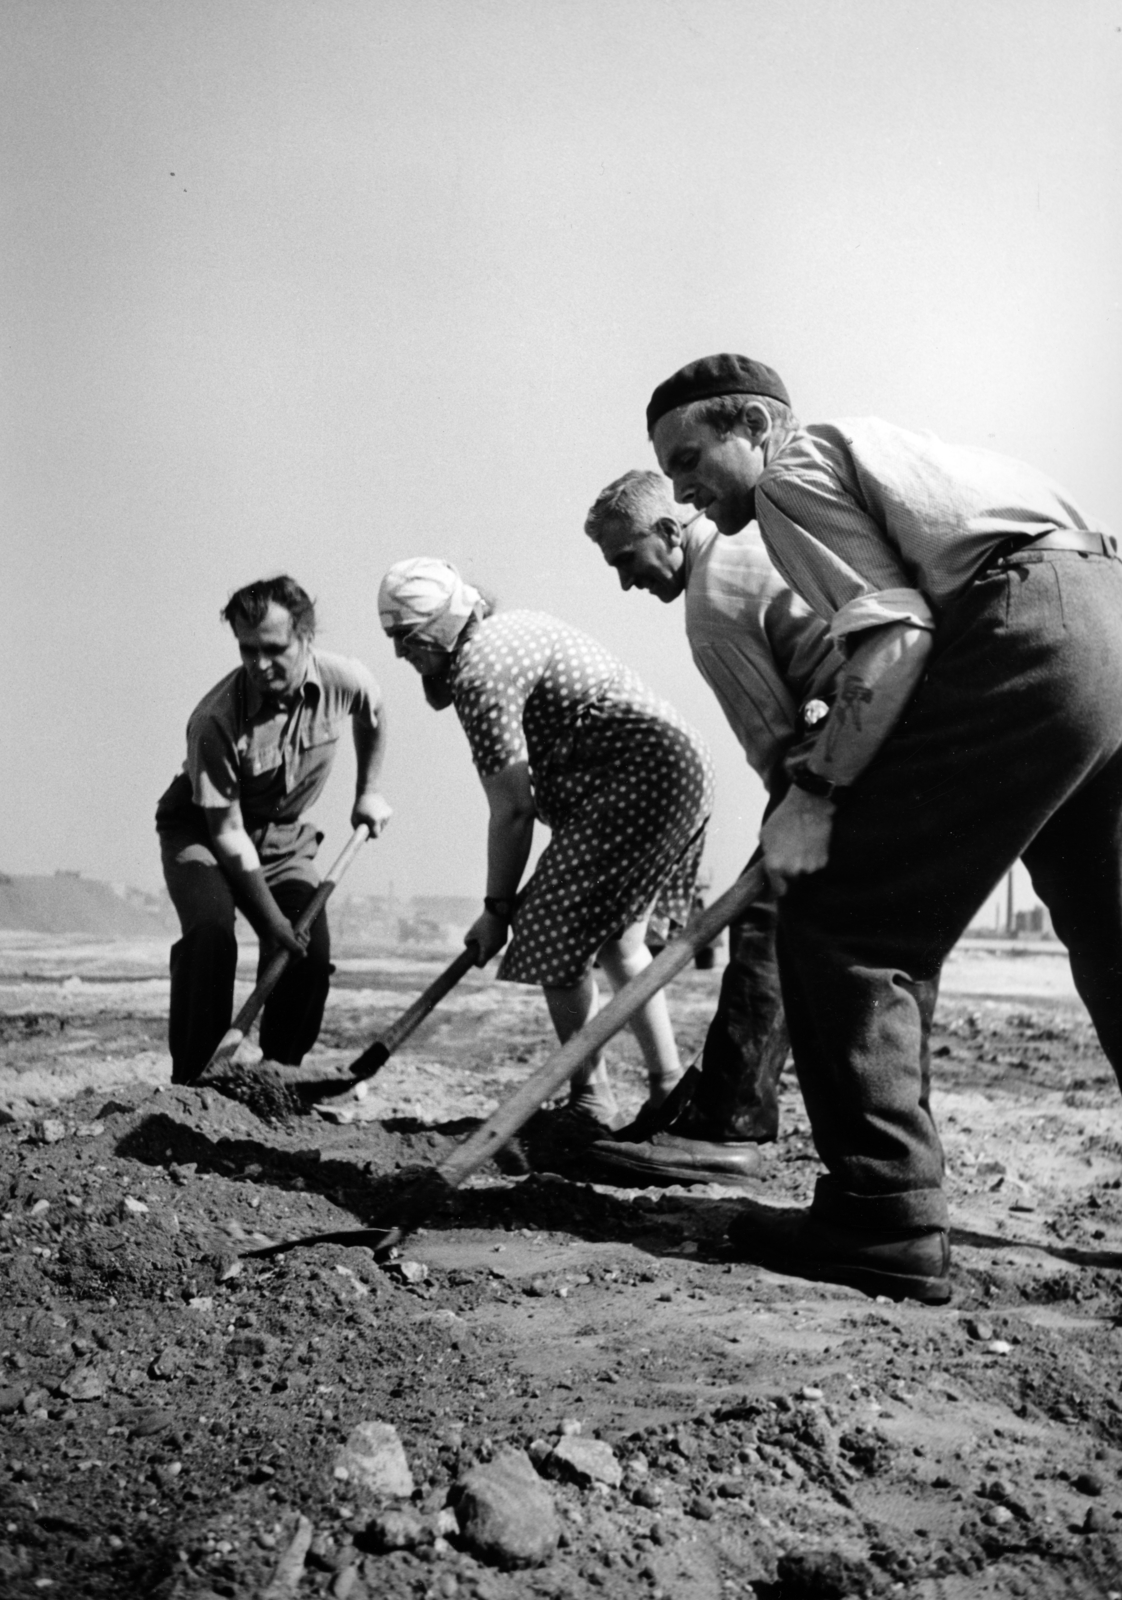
x,y
429,597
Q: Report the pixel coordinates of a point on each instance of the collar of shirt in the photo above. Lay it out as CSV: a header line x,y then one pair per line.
x,y
311,689
696,532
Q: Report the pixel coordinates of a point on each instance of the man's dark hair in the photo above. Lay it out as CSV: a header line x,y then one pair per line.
x,y
249,605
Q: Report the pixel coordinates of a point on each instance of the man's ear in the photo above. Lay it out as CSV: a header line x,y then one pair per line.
x,y
668,529
755,421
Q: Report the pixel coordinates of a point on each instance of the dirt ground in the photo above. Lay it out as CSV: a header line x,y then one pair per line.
x,y
172,1407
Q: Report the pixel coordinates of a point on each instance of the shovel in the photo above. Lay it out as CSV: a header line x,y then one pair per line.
x,y
379,1051
236,1032
435,1187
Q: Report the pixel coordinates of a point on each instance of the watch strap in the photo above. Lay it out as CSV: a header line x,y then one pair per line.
x,y
498,907
814,783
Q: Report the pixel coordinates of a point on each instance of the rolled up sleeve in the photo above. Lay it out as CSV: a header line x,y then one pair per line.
x,y
878,610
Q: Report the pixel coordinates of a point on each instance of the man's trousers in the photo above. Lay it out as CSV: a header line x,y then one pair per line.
x,y
204,960
1010,747
737,1096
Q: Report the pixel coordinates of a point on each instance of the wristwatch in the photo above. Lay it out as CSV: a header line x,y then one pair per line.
x,y
814,783
499,907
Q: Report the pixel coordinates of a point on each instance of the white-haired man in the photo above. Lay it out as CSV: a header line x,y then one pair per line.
x,y
978,719
771,664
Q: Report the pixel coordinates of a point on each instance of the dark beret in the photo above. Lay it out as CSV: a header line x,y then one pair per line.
x,y
713,375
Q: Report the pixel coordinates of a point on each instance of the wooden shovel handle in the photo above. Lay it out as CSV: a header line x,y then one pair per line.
x,y
271,976
542,1085
379,1051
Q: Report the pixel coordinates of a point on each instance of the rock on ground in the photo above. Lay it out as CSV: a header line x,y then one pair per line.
x,y
506,1512
373,1461
585,1461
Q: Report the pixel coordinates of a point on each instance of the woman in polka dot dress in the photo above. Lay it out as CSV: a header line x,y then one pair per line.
x,y
562,731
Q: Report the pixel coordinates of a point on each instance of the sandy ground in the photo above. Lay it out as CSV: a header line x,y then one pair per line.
x,y
170,1411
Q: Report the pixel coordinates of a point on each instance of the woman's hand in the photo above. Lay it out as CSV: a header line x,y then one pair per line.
x,y
488,933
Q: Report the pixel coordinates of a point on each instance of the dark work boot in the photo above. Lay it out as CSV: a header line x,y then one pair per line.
x,y
901,1263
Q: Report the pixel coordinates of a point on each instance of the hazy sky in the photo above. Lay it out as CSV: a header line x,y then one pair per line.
x,y
318,284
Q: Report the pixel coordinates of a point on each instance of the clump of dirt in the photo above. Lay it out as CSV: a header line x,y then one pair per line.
x,y
259,1086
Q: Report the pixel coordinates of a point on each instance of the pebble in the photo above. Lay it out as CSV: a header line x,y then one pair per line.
x,y
131,1204
1096,1520
825,1572
83,1383
700,1507
570,1427
144,1424
648,1495
244,1346
49,1131
998,1516
11,1398
1088,1483
408,1271
396,1530
373,1461
999,1347
585,1461
978,1329
167,1363
506,1513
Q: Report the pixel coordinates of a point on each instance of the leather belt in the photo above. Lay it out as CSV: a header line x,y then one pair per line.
x,y
1084,540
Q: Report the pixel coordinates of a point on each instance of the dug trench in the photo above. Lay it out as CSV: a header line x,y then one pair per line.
x,y
177,1410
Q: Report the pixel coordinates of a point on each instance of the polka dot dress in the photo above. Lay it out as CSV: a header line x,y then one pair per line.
x,y
625,786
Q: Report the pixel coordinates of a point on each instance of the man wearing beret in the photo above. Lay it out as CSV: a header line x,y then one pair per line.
x,y
978,720
771,664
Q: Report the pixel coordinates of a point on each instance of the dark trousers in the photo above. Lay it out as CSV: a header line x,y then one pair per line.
x,y
737,1096
204,960
1011,747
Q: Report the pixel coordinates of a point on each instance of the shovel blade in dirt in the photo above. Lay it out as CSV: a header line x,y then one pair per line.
x,y
235,1035
376,1054
379,1051
436,1186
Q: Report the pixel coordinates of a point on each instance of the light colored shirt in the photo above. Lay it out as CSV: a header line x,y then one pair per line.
x,y
873,524
275,760
759,647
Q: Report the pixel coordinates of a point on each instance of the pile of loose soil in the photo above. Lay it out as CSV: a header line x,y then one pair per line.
x,y
177,1410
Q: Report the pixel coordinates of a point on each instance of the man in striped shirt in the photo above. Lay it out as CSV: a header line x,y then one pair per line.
x,y
978,720
771,664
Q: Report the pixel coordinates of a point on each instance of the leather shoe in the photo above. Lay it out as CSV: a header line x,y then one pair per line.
x,y
901,1263
668,1158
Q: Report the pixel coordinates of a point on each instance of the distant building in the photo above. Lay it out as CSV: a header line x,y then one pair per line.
x,y
1034,924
